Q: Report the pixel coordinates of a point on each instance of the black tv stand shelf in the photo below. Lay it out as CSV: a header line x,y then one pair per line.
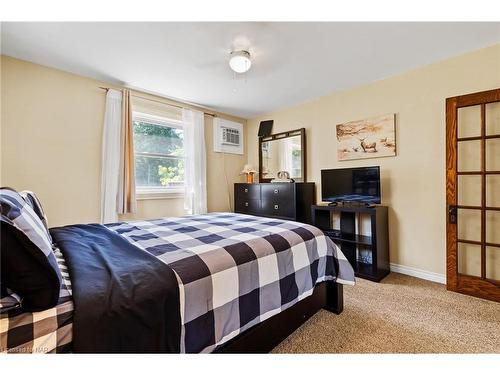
x,y
350,241
356,238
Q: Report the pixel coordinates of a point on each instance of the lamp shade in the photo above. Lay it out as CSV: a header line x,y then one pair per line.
x,y
240,61
248,169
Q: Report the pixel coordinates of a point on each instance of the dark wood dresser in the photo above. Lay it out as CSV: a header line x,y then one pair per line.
x,y
288,201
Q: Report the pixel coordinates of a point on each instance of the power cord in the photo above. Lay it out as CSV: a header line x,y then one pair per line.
x,y
227,182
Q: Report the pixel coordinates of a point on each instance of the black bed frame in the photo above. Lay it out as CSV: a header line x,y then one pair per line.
x,y
263,337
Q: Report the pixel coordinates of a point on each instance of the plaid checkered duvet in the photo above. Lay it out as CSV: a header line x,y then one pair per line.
x,y
235,271
48,331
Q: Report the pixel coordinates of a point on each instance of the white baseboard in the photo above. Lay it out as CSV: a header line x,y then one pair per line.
x,y
421,274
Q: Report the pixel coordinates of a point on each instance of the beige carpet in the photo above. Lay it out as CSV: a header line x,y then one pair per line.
x,y
402,314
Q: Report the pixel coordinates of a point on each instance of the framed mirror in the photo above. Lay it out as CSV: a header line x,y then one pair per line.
x,y
283,152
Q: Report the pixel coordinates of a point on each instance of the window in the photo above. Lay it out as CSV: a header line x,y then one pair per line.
x,y
293,156
296,161
159,154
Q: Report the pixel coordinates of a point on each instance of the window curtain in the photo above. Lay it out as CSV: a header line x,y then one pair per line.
x,y
111,156
195,166
117,172
286,163
126,201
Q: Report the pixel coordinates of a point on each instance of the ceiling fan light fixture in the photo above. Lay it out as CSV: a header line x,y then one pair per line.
x,y
240,61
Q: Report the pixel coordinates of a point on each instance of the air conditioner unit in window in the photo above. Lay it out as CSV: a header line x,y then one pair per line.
x,y
228,136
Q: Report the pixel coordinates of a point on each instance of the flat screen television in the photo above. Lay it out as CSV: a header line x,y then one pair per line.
x,y
351,185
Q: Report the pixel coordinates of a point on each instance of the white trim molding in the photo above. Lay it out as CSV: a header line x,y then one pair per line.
x,y
421,274
141,196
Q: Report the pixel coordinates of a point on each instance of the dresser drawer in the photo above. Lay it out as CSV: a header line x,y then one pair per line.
x,y
288,201
248,206
282,193
246,191
277,208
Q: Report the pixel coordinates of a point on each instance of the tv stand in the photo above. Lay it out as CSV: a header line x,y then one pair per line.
x,y
350,241
351,204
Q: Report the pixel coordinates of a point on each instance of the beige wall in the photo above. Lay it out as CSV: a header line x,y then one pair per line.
x,y
51,126
413,182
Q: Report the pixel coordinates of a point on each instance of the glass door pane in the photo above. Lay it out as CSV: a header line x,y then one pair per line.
x,y
469,190
469,224
493,154
493,118
493,190
469,156
493,263
469,121
493,227
469,259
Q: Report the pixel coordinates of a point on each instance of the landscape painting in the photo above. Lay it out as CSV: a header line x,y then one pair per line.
x,y
371,138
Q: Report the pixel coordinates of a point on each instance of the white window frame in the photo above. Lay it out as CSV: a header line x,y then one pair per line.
x,y
157,192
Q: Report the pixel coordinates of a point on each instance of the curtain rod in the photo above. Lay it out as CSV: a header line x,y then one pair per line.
x,y
158,101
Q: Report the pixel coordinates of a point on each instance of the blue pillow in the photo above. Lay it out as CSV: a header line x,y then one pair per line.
x,y
29,266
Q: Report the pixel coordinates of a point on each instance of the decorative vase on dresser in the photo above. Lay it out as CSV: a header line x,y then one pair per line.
x,y
288,201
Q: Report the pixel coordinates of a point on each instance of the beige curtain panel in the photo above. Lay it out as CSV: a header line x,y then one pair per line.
x,y
126,201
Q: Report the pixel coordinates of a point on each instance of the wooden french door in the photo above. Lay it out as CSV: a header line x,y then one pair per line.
x,y
473,194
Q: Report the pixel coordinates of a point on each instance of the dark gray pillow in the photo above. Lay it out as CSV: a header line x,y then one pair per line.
x,y
9,300
29,266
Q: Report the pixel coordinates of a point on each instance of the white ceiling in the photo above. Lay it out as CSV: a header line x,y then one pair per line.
x,y
292,62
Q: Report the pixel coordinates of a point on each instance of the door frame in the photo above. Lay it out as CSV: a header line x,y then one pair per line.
x,y
471,285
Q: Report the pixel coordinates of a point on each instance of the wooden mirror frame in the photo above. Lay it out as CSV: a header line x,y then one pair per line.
x,y
287,134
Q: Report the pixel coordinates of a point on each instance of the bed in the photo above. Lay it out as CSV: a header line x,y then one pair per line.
x,y
220,282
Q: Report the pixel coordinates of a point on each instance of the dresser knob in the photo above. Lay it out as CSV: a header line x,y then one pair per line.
x,y
246,204
275,191
246,190
276,207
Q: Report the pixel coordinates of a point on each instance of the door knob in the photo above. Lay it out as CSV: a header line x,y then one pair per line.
x,y
452,214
